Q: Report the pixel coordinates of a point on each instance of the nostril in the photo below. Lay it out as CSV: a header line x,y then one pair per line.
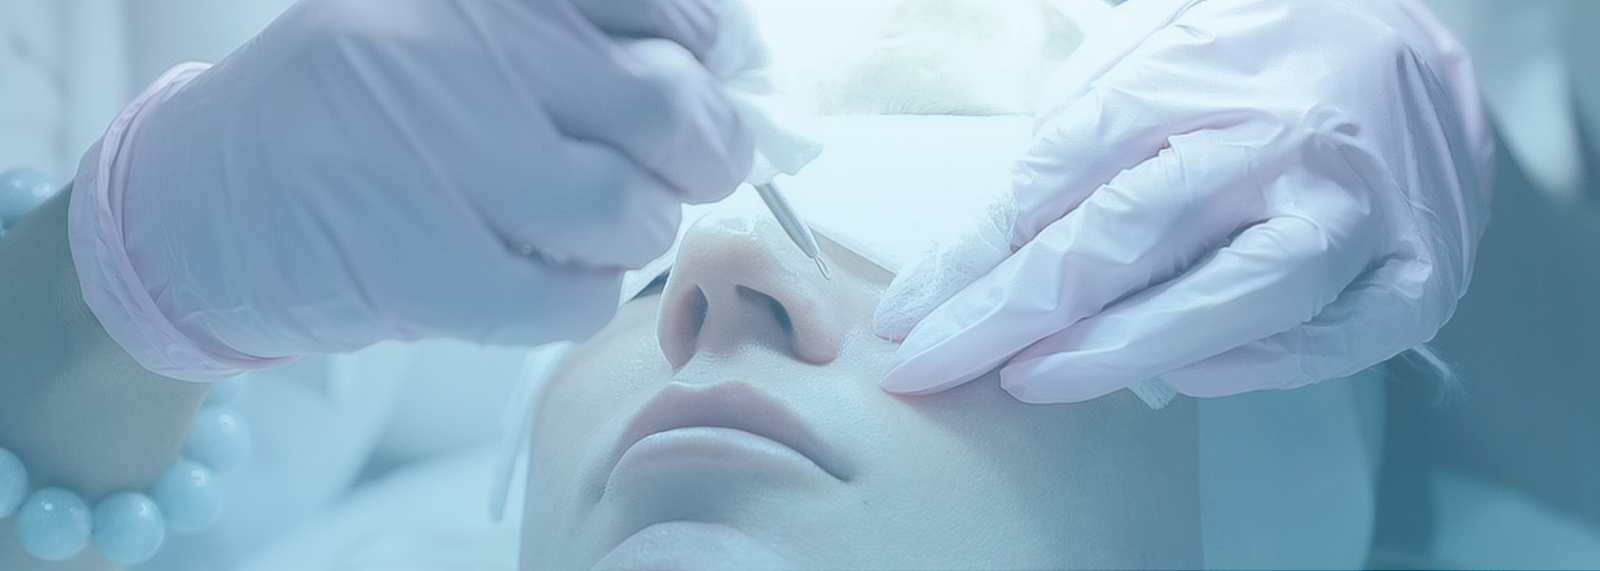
x,y
694,313
681,319
781,315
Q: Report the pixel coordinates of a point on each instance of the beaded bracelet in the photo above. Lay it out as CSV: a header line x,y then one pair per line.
x,y
127,527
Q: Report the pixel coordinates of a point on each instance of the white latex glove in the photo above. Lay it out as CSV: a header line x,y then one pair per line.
x,y
1232,195
396,169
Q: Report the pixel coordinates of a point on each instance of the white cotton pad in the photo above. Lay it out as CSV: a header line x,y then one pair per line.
x,y
780,148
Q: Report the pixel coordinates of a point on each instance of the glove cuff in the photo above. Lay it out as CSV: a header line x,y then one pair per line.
x,y
111,287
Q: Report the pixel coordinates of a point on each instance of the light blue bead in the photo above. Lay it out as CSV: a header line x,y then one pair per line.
x,y
13,483
128,527
189,496
53,524
226,390
22,190
218,438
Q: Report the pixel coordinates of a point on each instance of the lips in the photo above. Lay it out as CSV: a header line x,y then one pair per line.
x,y
733,405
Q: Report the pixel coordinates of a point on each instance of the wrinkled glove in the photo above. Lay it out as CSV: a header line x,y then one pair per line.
x,y
396,169
1230,195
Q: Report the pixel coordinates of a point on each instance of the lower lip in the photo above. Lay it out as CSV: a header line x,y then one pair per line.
x,y
709,450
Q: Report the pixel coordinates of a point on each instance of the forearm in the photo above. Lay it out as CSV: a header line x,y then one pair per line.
x,y
78,411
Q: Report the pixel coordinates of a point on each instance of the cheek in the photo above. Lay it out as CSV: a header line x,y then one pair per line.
x,y
948,441
599,381
947,483
621,360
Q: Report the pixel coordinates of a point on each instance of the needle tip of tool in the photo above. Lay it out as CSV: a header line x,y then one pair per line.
x,y
822,267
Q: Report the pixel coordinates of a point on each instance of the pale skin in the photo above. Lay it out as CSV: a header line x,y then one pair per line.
x,y
78,411
969,478
994,483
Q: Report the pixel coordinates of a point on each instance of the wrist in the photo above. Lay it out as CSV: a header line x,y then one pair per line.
x,y
112,289
77,409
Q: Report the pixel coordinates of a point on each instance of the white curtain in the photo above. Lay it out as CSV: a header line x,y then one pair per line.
x,y
1539,66
68,66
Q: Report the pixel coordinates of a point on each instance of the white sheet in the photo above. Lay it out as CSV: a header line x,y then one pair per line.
x,y
427,517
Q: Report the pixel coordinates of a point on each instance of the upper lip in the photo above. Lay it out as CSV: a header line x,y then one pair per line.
x,y
734,405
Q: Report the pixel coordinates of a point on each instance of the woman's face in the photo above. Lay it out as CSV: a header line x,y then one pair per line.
x,y
732,419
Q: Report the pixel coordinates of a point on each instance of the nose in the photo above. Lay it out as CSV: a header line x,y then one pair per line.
x,y
739,283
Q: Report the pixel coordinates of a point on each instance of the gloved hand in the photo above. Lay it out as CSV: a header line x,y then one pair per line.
x,y
1231,195
395,169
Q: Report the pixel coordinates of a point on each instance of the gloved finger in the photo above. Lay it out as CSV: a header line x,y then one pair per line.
x,y
931,280
1145,226
1374,319
1125,117
613,214
690,23
649,98
1275,276
707,149
489,293
668,113
571,303
523,301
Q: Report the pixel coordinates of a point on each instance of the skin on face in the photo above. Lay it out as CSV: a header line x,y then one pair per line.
x,y
732,419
